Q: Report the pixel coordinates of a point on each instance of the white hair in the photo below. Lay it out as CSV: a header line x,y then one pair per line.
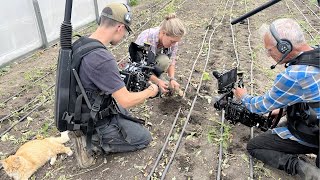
x,y
286,29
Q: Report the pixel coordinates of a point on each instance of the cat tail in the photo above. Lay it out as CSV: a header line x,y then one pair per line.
x,y
63,138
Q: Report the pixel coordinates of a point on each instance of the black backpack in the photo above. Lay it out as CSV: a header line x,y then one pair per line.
x,y
78,109
74,110
302,119
69,90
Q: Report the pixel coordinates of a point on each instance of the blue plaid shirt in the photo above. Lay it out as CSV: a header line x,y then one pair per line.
x,y
298,83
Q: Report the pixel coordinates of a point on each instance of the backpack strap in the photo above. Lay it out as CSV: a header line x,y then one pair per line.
x,y
310,58
92,120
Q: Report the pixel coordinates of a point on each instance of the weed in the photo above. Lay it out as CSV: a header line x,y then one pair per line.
x,y
206,77
170,8
24,138
4,70
214,134
133,2
33,74
7,137
44,129
260,169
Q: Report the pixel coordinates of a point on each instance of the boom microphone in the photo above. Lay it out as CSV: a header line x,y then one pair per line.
x,y
258,9
282,58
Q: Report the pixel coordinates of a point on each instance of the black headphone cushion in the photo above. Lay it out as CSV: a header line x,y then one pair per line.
x,y
284,46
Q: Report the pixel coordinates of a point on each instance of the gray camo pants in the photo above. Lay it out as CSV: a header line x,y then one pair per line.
x,y
121,135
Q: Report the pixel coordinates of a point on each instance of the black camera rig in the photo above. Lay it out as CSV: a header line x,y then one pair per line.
x,y
234,111
140,67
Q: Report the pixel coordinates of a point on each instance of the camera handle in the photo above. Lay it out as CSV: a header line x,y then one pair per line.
x,y
240,82
273,122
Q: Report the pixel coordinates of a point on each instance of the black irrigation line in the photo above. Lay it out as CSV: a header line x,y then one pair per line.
x,y
305,17
25,88
179,110
312,37
22,118
42,77
251,84
34,99
309,8
223,112
251,78
192,105
25,106
195,98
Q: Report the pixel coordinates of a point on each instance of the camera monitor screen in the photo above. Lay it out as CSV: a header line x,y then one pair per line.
x,y
227,79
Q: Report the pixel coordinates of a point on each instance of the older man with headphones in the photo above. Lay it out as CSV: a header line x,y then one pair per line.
x,y
296,89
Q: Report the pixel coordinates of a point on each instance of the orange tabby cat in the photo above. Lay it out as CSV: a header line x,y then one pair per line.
x,y
34,154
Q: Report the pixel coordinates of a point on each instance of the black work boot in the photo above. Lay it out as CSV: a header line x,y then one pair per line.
x,y
307,171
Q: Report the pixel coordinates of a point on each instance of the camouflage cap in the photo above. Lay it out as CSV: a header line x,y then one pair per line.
x,y
118,12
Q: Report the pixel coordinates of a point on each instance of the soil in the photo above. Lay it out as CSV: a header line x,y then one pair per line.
x,y
197,156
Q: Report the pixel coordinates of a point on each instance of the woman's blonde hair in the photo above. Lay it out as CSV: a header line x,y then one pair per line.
x,y
173,26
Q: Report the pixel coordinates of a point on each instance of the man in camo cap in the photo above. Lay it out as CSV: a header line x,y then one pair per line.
x,y
99,73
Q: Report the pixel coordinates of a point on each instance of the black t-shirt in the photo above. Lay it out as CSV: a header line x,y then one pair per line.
x,y
99,71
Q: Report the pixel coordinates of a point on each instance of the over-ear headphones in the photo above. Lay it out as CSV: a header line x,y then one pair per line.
x,y
284,46
127,17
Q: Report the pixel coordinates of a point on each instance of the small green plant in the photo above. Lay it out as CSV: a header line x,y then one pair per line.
x,y
44,129
133,2
4,70
206,77
215,137
170,8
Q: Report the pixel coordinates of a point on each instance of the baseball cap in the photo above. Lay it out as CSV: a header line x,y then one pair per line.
x,y
120,13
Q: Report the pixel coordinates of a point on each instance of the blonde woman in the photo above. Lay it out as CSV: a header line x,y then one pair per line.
x,y
164,42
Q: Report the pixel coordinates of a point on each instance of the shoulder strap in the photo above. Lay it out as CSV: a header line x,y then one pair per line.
x,y
85,45
310,58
